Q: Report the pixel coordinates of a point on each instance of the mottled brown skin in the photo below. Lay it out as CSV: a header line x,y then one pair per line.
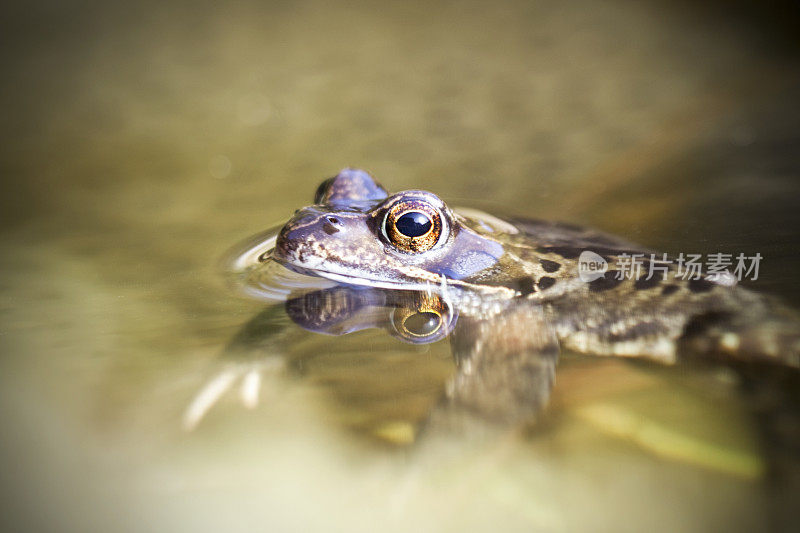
x,y
489,265
656,318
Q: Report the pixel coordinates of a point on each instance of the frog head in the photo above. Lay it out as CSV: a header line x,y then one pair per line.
x,y
357,233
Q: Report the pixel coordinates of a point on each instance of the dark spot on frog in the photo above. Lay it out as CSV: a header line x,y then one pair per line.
x,y
608,281
545,282
525,286
549,266
703,323
700,285
669,289
330,229
643,283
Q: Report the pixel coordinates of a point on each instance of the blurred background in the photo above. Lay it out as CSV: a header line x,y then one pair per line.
x,y
139,141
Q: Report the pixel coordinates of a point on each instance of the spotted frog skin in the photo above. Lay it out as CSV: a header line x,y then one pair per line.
x,y
358,234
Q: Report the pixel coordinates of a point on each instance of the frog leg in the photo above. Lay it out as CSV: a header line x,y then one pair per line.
x,y
505,370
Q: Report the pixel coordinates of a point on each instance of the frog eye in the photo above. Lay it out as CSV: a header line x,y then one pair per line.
x,y
413,226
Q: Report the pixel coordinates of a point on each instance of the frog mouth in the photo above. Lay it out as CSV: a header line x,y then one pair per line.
x,y
253,263
264,274
361,280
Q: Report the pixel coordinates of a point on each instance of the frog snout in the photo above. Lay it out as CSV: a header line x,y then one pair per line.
x,y
307,226
284,244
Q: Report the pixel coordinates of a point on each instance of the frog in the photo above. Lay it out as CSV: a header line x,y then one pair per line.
x,y
508,292
359,234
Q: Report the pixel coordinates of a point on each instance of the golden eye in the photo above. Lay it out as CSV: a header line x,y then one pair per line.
x,y
413,226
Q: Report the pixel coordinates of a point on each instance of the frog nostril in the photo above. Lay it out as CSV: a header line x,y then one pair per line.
x,y
332,220
330,229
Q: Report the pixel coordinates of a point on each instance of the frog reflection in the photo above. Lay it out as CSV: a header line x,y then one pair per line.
x,y
500,380
411,316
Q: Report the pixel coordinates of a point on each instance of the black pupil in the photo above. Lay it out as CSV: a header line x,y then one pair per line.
x,y
413,224
422,324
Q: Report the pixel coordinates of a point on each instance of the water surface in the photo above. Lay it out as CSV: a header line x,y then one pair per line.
x,y
141,142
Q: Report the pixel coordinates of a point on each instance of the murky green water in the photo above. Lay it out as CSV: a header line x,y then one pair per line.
x,y
140,142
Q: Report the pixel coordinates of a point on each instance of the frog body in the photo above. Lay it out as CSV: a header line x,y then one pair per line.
x,y
357,233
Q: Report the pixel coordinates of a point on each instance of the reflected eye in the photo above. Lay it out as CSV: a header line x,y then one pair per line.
x,y
421,318
422,324
413,226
